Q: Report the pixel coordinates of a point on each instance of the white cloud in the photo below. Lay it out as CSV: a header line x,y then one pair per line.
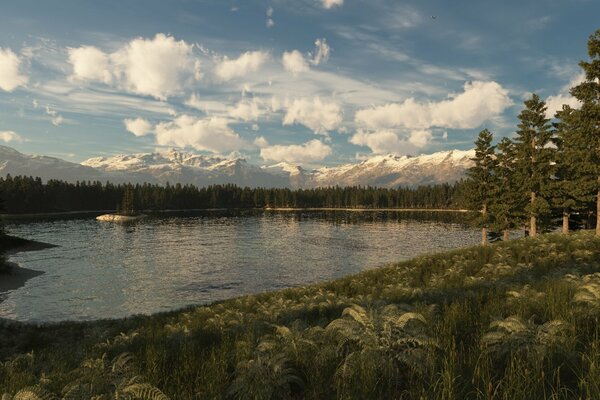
x,y
322,50
90,63
261,142
294,62
10,136
158,67
247,110
270,22
138,126
211,134
318,115
555,103
420,138
56,119
309,152
248,62
479,102
331,3
208,106
387,141
10,75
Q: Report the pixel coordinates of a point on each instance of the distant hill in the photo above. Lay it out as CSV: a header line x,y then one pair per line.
x,y
182,167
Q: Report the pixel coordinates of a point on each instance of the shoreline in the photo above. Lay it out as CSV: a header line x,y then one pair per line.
x,y
94,213
15,276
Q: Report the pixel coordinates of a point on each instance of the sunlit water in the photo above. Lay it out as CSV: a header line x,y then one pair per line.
x,y
108,270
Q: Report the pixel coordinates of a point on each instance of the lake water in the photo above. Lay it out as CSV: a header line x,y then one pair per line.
x,y
109,270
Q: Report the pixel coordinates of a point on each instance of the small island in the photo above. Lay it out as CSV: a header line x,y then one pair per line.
x,y
125,210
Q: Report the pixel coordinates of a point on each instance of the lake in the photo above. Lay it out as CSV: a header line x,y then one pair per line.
x,y
110,270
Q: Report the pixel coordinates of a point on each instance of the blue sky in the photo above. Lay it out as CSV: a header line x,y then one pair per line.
x,y
315,82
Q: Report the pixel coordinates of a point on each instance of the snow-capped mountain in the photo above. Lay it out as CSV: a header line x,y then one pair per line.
x,y
15,163
181,167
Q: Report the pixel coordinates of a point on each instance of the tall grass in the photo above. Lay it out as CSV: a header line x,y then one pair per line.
x,y
514,320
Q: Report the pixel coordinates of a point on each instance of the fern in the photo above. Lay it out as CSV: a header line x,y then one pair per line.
x,y
34,393
142,391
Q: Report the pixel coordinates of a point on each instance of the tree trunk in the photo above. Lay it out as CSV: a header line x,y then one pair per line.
x,y
565,229
533,221
598,211
484,232
506,235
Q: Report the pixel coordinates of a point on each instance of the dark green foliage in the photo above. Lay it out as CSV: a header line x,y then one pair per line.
x,y
508,203
533,159
574,185
588,116
31,195
482,182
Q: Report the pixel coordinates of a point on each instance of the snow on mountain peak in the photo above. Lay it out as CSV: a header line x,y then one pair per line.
x,y
176,166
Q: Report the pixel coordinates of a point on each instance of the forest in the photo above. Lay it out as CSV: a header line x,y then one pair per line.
x,y
31,195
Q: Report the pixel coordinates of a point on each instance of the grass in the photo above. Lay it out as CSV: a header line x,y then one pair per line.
x,y
514,320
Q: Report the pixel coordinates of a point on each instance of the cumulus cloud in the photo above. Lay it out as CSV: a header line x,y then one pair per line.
x,y
211,134
10,136
388,141
10,74
90,63
331,3
247,110
479,102
261,142
312,151
555,103
248,62
321,53
294,62
157,67
56,118
138,126
316,114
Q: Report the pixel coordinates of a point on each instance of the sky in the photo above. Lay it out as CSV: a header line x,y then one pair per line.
x,y
310,82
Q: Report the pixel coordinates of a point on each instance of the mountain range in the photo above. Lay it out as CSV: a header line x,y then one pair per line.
x,y
175,166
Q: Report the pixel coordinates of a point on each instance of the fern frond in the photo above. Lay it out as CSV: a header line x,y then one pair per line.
x,y
143,391
34,393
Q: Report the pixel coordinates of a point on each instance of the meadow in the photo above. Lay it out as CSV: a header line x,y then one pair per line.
x,y
511,320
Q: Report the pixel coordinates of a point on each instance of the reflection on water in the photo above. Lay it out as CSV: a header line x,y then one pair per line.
x,y
106,270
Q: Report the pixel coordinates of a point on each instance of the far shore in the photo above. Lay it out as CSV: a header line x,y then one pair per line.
x,y
95,213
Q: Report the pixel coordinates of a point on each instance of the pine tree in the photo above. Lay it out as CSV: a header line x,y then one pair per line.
x,y
574,184
506,208
481,182
533,159
588,93
127,207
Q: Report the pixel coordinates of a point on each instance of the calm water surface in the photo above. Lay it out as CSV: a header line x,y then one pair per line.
x,y
108,270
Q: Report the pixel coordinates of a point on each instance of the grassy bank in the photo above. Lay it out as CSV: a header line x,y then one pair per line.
x,y
515,320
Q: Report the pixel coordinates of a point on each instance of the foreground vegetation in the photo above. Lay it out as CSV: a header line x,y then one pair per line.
x,y
513,320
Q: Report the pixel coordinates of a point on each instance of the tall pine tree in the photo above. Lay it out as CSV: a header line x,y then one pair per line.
x,y
481,182
506,208
533,159
574,180
588,93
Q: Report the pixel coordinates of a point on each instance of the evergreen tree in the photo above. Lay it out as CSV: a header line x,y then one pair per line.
x,y
482,182
588,93
575,181
534,159
127,207
506,209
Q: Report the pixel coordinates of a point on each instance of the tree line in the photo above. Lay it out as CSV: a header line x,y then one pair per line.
x,y
31,195
550,167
